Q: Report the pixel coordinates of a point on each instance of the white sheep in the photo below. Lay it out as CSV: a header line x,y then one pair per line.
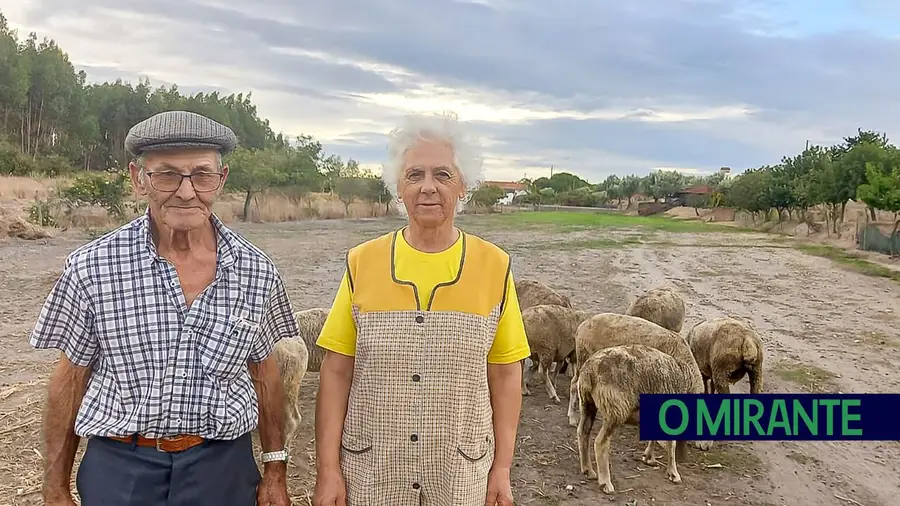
x,y
531,293
551,336
310,321
606,330
292,358
727,349
610,382
662,306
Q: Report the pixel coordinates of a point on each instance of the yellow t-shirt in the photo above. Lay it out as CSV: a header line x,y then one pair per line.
x,y
426,270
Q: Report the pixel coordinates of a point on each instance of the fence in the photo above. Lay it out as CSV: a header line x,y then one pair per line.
x,y
876,235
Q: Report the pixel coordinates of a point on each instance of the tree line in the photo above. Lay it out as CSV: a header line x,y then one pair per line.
x,y
53,123
864,167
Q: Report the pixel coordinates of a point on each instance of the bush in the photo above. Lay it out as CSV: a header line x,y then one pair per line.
x,y
98,188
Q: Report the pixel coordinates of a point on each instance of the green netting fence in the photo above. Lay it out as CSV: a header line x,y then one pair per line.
x,y
876,236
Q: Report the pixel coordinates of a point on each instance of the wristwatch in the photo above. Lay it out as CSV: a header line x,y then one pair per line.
x,y
273,456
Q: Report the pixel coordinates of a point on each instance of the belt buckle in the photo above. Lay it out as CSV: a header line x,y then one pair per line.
x,y
159,441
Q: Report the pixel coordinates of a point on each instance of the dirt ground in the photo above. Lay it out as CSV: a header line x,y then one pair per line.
x,y
825,329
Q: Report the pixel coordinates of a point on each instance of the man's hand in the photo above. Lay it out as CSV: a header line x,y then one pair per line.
x,y
499,489
272,488
330,489
63,501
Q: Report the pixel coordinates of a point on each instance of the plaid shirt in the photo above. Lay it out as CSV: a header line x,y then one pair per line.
x,y
160,368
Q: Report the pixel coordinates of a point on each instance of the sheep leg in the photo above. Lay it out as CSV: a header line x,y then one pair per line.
x,y
587,414
525,390
707,385
551,390
601,453
291,423
720,383
671,468
755,381
648,457
573,401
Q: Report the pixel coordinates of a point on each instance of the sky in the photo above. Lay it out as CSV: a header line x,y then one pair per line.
x,y
591,87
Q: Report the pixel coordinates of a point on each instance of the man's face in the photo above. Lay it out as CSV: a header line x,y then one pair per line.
x,y
173,200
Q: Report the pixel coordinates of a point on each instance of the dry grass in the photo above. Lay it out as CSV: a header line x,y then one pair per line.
x,y
18,193
26,188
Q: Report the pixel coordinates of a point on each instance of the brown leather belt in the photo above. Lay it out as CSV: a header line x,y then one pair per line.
x,y
168,444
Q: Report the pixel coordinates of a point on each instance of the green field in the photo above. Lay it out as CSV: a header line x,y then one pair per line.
x,y
606,219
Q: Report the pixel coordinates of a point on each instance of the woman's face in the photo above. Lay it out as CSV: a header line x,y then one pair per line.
x,y
430,184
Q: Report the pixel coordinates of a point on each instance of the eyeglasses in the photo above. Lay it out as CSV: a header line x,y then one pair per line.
x,y
168,181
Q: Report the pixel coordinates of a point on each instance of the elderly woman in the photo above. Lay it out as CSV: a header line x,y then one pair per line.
x,y
420,388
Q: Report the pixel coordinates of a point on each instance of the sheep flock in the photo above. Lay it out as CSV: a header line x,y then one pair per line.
x,y
611,358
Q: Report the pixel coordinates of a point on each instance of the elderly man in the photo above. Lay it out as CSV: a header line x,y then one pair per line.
x,y
165,328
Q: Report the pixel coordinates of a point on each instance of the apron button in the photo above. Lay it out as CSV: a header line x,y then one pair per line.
x,y
420,319
416,378
415,486
414,438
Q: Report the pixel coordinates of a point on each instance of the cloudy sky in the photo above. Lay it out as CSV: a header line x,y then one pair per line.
x,y
594,87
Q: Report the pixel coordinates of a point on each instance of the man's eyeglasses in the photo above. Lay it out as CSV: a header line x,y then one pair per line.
x,y
168,181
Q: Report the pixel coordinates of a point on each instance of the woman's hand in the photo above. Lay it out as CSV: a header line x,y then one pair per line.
x,y
330,489
499,489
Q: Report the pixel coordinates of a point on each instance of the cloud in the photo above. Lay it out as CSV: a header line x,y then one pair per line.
x,y
590,87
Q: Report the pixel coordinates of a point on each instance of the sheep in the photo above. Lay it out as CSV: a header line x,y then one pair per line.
x,y
605,330
726,349
292,358
531,293
551,335
610,381
311,322
662,306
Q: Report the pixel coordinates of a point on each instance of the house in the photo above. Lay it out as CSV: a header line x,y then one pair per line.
x,y
511,190
681,197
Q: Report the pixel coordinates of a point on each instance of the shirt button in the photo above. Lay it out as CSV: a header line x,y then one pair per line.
x,y
184,374
420,319
414,438
416,378
416,486
178,421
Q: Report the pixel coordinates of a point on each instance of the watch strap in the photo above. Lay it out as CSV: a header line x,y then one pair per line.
x,y
274,456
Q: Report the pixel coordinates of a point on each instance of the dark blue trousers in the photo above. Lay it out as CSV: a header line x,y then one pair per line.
x,y
215,473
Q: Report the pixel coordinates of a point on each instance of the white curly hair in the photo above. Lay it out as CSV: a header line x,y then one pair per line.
x,y
445,127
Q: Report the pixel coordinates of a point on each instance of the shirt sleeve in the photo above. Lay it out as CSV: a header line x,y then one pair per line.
x,y
339,331
66,320
510,343
277,322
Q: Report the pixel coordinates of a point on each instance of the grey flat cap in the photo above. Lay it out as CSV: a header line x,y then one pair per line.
x,y
179,129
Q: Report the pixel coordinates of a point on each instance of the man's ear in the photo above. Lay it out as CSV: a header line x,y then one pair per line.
x,y
136,183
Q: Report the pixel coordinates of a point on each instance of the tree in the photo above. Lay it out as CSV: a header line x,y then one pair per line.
x,y
487,195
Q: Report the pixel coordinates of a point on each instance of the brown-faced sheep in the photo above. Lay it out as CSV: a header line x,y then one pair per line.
x,y
662,306
551,335
606,330
310,321
726,349
531,293
292,358
610,382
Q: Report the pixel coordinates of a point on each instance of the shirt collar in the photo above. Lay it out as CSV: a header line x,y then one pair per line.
x,y
226,246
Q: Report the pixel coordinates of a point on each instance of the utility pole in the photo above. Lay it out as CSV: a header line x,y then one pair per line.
x,y
551,171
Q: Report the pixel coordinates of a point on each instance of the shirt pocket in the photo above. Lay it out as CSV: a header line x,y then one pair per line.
x,y
225,351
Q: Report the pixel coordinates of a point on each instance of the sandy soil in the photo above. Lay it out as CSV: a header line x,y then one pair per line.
x,y
825,329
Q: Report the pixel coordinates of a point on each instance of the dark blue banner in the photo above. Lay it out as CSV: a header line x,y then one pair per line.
x,y
770,417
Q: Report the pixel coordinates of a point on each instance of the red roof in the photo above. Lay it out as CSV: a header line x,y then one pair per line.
x,y
506,185
700,189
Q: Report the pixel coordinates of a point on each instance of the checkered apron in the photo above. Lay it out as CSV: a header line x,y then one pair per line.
x,y
419,429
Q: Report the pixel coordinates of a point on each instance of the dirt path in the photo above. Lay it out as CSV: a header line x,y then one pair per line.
x,y
825,329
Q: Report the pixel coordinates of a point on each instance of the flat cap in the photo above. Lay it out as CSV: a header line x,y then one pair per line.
x,y
179,129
